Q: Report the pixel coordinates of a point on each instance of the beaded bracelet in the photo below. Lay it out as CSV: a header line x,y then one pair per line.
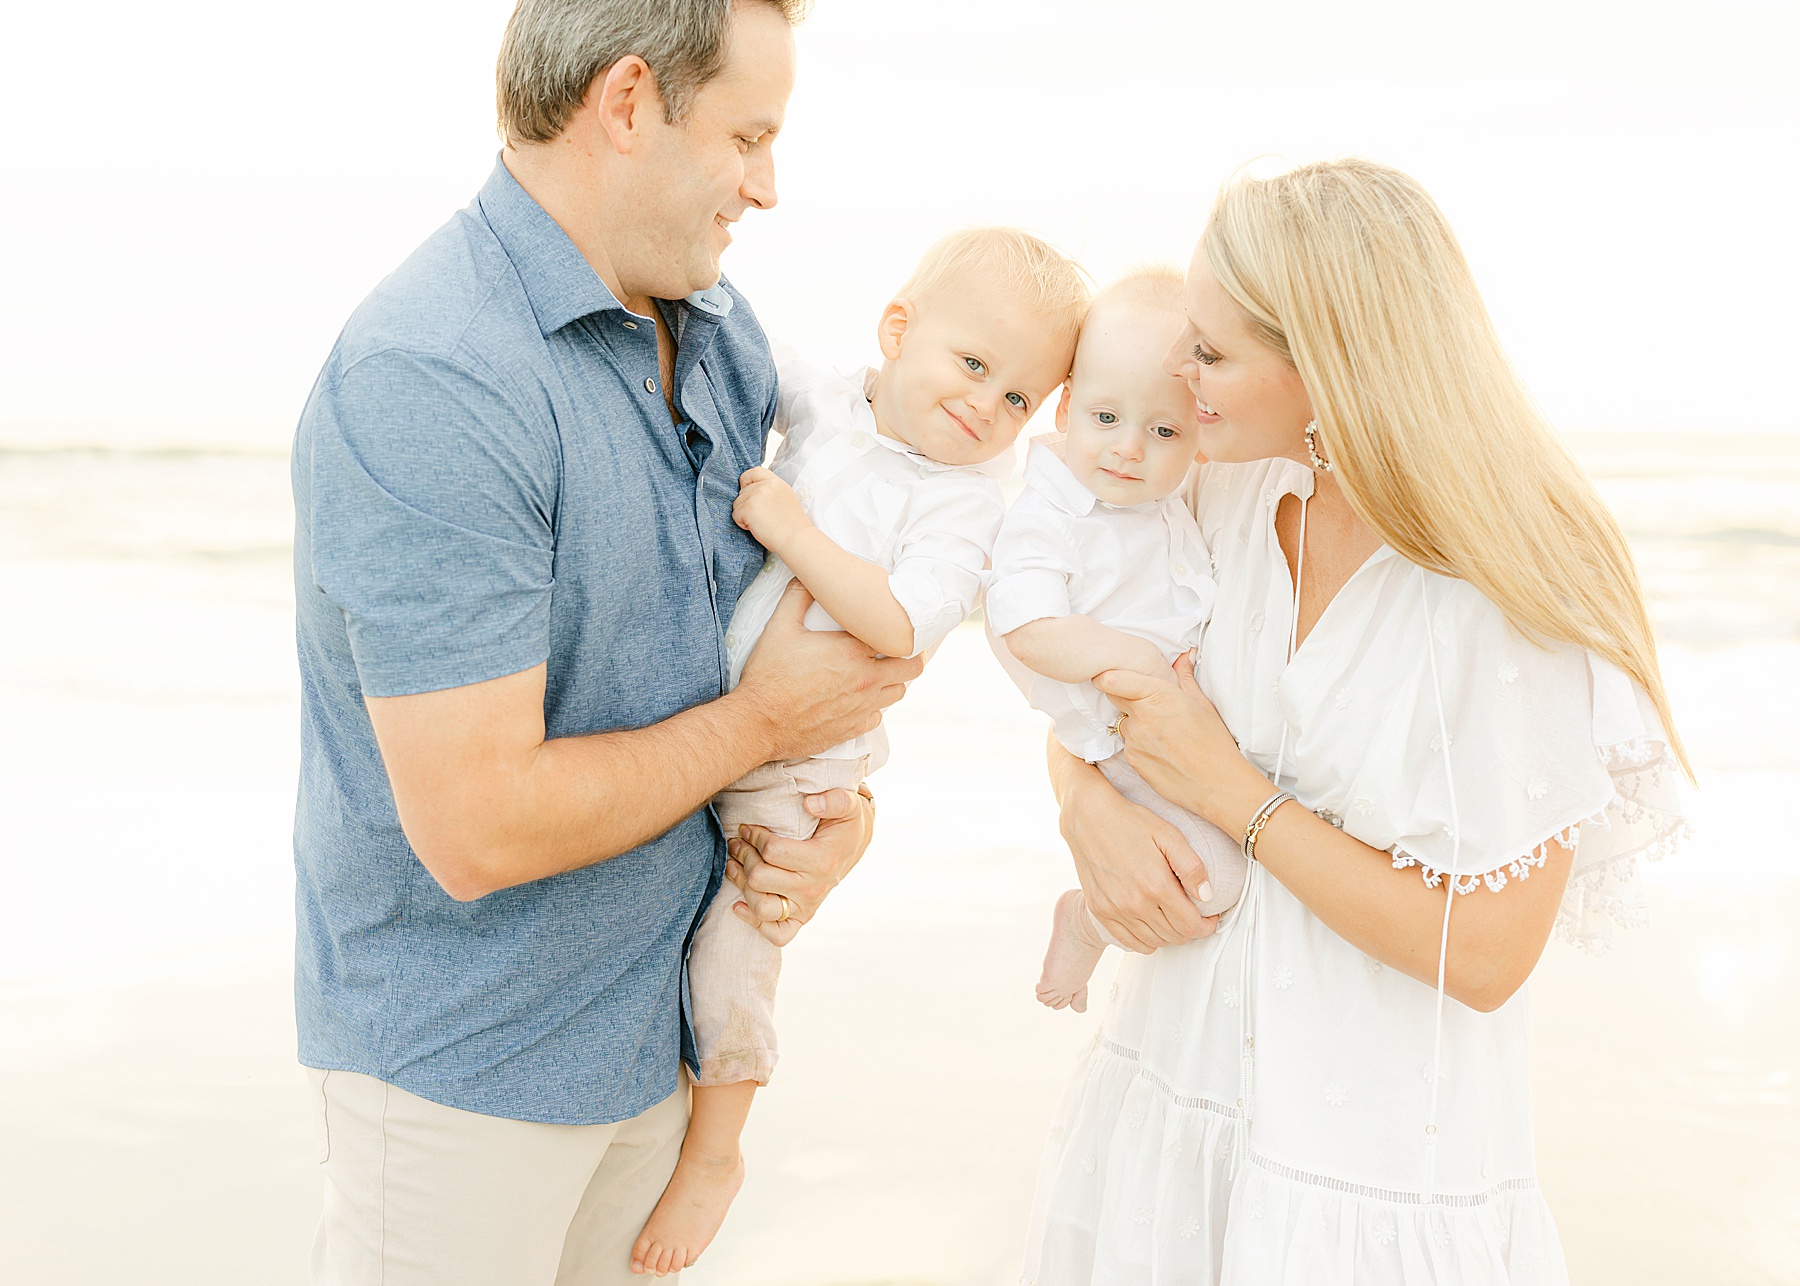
x,y
1260,819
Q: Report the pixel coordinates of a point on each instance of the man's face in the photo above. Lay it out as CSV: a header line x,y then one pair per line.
x,y
704,172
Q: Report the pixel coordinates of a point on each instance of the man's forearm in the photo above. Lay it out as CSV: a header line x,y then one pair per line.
x,y
515,807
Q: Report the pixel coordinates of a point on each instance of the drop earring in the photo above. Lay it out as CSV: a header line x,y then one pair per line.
x,y
1319,462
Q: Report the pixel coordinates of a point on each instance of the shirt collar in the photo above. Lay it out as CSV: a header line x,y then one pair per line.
x,y
560,285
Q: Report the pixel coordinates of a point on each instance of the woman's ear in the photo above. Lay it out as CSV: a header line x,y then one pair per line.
x,y
1062,411
889,332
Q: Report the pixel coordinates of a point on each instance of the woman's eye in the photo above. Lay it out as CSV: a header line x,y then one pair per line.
x,y
1106,417
975,364
1202,355
1017,401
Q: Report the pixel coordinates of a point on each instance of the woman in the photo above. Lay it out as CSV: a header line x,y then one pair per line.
x,y
1431,645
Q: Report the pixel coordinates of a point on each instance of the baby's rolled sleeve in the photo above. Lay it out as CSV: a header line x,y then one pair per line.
x,y
1034,560
430,525
943,557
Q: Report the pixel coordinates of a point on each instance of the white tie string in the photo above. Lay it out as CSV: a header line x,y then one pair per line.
x,y
1437,1034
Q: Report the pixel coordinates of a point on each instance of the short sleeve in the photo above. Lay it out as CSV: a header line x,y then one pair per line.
x,y
1499,748
1034,560
430,523
941,555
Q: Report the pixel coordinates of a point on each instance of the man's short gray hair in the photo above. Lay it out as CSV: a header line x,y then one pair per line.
x,y
553,49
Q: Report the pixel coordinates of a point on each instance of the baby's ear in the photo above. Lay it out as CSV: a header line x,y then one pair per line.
x,y
895,318
1062,411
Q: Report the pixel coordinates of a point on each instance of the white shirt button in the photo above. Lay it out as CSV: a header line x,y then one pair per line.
x,y
649,386
731,640
1181,569
859,439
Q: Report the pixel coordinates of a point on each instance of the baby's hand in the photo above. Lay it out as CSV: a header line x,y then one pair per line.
x,y
768,509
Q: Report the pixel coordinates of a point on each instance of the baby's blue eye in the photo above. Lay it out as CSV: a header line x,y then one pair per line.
x,y
1163,431
975,364
1017,400
1106,417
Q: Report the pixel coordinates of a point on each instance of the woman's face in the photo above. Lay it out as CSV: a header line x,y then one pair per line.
x,y
1251,403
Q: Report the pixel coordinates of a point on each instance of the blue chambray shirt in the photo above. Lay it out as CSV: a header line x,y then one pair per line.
x,y
486,477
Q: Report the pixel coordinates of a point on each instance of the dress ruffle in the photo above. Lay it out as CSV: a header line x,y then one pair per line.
x,y
1141,1188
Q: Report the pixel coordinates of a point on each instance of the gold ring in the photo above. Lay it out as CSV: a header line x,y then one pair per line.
x,y
787,909
1113,728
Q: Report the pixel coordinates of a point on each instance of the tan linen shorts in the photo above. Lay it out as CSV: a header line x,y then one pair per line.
x,y
732,969
419,1194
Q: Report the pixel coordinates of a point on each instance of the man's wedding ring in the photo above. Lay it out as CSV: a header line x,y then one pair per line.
x,y
787,909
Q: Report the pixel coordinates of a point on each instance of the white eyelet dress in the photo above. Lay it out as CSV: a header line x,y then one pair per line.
x,y
1256,1108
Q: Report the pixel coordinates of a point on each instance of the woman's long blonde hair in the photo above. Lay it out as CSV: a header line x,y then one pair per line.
x,y
1349,270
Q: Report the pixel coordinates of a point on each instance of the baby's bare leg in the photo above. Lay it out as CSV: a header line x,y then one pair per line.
x,y
706,1179
1076,944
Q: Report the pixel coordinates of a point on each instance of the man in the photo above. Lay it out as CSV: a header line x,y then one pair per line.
x,y
514,557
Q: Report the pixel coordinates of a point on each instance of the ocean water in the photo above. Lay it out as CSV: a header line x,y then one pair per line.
x,y
148,712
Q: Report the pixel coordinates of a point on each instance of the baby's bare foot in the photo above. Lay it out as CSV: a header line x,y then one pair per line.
x,y
688,1217
1075,949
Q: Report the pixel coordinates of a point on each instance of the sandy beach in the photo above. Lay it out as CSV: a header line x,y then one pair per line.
x,y
154,1127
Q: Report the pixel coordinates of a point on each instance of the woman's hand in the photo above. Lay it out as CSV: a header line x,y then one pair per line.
x,y
768,868
1178,743
1137,871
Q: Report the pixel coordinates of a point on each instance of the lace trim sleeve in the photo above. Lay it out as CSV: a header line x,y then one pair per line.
x,y
1641,822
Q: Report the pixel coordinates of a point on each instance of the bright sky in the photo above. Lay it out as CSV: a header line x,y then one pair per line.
x,y
206,189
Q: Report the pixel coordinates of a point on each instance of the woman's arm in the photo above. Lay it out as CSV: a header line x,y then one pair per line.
x,y
1136,869
855,591
1175,738
1076,648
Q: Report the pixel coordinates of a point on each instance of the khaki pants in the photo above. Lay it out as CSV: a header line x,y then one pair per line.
x,y
732,969
419,1194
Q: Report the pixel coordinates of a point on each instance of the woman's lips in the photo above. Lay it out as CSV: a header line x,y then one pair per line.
x,y
1205,414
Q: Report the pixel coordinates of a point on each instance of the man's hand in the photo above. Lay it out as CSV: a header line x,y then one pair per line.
x,y
765,865
768,509
818,689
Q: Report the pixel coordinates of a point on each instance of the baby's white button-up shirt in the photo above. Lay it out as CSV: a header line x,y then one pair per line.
x,y
1143,569
930,525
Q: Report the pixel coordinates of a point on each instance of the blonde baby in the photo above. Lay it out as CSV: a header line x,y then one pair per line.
x,y
1100,566
883,500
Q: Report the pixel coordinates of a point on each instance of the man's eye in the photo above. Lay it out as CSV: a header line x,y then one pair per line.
x,y
1163,431
1017,400
975,364
1106,417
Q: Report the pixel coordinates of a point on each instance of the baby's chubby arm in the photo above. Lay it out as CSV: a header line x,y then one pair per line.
x,y
1074,649
855,591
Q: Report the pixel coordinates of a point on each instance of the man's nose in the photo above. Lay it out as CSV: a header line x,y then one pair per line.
x,y
759,180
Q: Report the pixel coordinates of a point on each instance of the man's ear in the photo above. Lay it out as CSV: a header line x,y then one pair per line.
x,y
1062,411
895,318
622,99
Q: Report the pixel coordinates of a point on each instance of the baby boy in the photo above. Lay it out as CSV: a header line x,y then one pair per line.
x,y
883,501
1100,566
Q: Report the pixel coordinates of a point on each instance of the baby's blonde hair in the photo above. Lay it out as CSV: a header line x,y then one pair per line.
x,y
1350,271
1156,285
1048,282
